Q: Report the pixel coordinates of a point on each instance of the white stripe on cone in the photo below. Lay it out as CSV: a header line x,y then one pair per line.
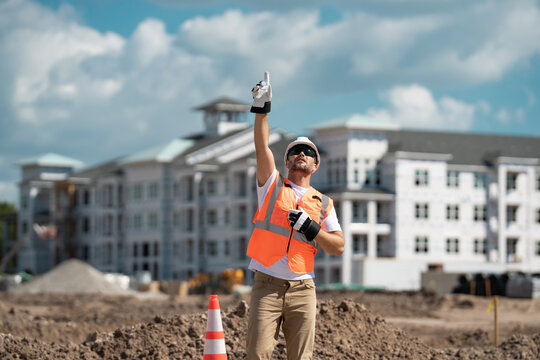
x,y
214,346
214,320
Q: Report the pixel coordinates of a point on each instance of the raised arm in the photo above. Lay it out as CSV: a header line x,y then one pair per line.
x,y
265,158
262,96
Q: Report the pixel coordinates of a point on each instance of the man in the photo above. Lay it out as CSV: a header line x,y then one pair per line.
x,y
292,223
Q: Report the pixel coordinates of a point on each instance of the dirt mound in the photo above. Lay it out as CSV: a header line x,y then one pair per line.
x,y
475,338
72,277
346,331
392,303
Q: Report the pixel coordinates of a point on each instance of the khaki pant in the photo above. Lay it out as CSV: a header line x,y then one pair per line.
x,y
275,302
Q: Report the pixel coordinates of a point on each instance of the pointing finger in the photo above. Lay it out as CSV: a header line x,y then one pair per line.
x,y
267,77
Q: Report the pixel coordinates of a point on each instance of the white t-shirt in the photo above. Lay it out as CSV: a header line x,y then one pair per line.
x,y
280,268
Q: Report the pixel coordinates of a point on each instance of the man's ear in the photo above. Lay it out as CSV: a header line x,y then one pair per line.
x,y
315,167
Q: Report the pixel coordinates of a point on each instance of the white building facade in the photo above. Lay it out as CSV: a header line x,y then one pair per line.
x,y
407,201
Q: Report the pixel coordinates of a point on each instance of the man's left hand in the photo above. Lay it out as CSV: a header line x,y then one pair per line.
x,y
302,222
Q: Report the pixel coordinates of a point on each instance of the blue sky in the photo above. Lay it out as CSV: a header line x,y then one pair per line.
x,y
97,79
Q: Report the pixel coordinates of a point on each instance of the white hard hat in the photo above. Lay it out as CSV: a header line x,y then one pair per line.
x,y
302,140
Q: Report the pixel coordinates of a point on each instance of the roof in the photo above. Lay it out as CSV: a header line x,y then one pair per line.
x,y
224,104
109,167
162,153
355,121
465,148
51,159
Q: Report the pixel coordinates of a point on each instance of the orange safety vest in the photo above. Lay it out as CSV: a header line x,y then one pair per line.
x,y
273,236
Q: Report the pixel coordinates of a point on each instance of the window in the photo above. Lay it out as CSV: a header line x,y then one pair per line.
x,y
86,252
421,178
137,221
212,248
452,246
107,225
368,176
135,250
511,249
137,192
479,212
227,249
359,211
153,190
189,251
189,220
24,202
242,223
511,181
382,217
480,246
480,180
86,197
211,217
241,185
538,216
153,220
378,177
329,172
335,275
355,176
86,225
156,249
537,250
511,214
146,249
538,182
421,211
120,223
452,179
211,186
189,190
421,244
242,248
360,244
452,212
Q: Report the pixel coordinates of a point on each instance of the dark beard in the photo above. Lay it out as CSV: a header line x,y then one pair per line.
x,y
303,168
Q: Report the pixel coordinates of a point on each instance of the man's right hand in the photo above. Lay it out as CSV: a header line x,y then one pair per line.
x,y
262,96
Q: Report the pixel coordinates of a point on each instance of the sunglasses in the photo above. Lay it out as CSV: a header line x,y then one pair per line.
x,y
308,151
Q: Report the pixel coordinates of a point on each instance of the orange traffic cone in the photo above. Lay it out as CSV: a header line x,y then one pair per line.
x,y
214,343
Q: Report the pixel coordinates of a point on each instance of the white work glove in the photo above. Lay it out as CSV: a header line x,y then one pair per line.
x,y
262,94
301,222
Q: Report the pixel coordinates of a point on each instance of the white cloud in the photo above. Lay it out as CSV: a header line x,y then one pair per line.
x,y
414,106
508,116
92,95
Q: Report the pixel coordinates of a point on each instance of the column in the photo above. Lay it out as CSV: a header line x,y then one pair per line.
x,y
346,217
197,258
372,236
501,171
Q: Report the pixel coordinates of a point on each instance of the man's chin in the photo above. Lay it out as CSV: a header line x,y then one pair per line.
x,y
302,168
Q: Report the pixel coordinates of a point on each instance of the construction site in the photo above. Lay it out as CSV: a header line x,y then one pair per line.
x,y
76,312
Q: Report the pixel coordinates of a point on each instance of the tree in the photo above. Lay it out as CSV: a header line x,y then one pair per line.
x,y
5,209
